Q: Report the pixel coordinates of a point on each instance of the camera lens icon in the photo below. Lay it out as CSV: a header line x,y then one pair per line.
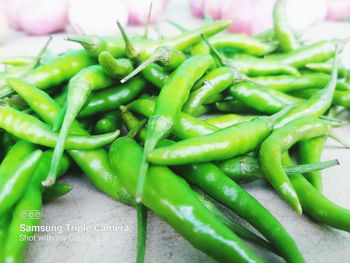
x,y
31,214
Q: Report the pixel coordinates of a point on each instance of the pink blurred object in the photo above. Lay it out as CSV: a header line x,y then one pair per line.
x,y
138,10
214,8
197,8
338,9
41,17
12,9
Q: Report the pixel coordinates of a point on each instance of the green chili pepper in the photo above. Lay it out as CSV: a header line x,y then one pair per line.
x,y
131,122
17,60
56,72
227,120
171,198
232,106
254,67
94,163
277,143
79,88
169,103
216,81
316,105
223,144
156,75
310,152
314,53
317,206
229,43
168,57
211,180
108,122
27,127
305,81
56,191
14,184
285,35
115,68
111,98
261,99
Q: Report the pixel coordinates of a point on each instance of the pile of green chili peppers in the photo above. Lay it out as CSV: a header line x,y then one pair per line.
x,y
196,115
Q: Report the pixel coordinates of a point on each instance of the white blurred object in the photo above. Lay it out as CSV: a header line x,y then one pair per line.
x,y
97,16
338,9
3,26
12,9
139,9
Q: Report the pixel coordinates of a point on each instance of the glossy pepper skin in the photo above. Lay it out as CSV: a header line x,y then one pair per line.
x,y
27,127
261,99
227,120
285,35
272,149
316,205
217,81
108,122
223,144
310,151
215,183
172,199
113,97
94,163
235,43
317,52
31,200
315,106
58,70
169,103
294,83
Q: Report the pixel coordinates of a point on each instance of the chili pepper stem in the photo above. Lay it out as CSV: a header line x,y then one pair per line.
x,y
130,49
306,168
142,213
81,40
42,52
177,26
160,54
145,34
338,139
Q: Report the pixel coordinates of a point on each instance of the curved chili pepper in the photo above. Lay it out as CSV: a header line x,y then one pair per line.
x,y
261,99
316,105
216,81
94,163
79,88
305,81
310,152
232,106
115,68
326,68
223,144
285,35
214,182
277,143
228,43
175,202
169,103
156,75
27,127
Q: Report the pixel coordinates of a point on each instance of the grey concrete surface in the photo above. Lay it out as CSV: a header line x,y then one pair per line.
x,y
87,206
